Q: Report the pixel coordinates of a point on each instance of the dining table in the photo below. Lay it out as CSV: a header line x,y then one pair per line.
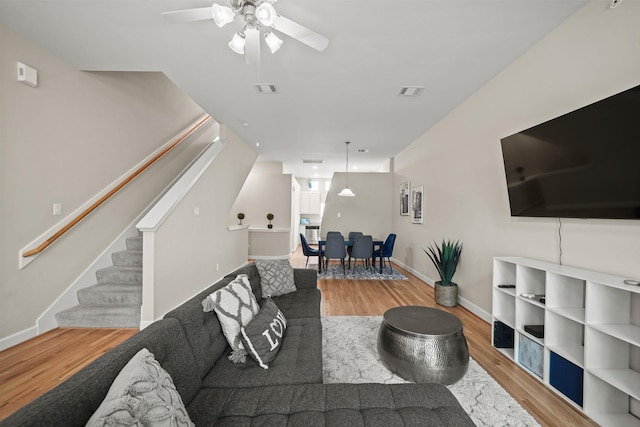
x,y
348,243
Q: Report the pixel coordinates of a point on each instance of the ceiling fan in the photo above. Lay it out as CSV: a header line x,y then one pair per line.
x,y
257,15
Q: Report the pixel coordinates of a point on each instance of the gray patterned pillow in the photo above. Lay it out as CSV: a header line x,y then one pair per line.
x,y
235,306
276,277
142,394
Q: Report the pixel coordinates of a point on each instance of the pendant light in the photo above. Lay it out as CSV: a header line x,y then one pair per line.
x,y
346,191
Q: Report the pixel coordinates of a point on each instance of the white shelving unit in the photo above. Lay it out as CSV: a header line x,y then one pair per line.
x,y
590,352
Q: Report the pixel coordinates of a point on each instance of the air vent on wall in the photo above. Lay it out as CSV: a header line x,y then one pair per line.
x,y
266,88
411,91
363,150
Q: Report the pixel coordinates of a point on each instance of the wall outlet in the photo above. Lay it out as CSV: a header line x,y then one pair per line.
x,y
339,214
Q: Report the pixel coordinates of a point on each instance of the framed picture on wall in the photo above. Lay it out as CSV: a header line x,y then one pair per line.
x,y
417,204
405,190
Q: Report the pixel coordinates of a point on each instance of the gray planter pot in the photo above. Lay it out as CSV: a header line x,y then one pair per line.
x,y
446,296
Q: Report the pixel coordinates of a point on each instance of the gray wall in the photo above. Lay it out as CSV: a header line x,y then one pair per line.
x,y
370,211
192,252
592,55
65,141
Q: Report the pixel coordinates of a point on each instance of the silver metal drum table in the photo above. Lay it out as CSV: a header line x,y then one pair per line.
x,y
423,344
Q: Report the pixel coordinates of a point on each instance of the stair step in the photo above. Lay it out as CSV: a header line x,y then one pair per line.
x,y
128,258
134,243
119,274
100,316
111,293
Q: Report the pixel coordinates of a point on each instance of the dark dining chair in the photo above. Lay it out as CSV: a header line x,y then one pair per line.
x,y
307,250
334,249
352,236
387,250
362,249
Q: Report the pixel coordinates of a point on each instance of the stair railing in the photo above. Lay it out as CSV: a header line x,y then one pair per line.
x,y
117,188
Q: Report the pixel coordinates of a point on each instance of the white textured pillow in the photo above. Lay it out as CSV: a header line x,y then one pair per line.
x,y
143,394
235,306
276,277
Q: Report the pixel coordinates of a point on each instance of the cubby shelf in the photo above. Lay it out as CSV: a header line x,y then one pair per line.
x,y
590,321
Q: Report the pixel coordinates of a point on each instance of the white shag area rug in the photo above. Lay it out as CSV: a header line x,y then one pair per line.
x,y
350,355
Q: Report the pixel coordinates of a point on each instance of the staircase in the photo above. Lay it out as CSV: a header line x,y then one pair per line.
x,y
115,301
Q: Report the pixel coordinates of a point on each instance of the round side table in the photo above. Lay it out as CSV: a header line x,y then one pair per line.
x,y
423,345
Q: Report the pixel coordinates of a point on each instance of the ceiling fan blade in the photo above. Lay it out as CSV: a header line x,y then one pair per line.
x,y
300,33
252,46
189,15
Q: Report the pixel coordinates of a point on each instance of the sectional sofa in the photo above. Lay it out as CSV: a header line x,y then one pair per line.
x,y
189,344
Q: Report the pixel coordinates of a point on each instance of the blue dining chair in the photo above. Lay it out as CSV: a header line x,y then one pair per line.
x,y
335,249
362,249
387,250
352,236
307,250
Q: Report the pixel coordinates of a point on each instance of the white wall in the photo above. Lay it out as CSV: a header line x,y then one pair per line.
x,y
592,55
65,141
263,193
370,211
192,252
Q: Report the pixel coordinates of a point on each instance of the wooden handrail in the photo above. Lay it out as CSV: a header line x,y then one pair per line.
x,y
117,188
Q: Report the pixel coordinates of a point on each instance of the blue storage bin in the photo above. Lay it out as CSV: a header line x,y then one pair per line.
x,y
566,377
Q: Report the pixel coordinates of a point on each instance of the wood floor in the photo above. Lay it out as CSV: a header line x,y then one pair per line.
x,y
37,365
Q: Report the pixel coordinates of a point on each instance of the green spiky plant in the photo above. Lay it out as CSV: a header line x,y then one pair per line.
x,y
445,258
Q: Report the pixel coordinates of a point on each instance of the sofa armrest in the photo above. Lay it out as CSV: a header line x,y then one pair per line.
x,y
305,278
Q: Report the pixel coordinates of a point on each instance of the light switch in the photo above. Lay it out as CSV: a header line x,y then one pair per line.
x,y
57,209
196,211
339,214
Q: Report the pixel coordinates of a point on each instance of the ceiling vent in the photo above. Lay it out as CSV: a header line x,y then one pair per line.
x,y
411,91
266,88
313,161
363,150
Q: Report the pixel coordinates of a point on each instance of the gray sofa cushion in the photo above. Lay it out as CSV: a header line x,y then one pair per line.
x,y
311,405
203,330
74,401
300,304
299,361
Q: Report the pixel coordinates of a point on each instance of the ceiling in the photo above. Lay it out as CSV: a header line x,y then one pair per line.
x,y
347,92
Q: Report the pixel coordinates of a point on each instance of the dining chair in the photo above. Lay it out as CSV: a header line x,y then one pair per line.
x,y
387,250
334,233
362,249
307,250
352,236
335,249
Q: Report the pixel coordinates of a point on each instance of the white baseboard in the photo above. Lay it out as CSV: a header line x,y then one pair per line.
x,y
18,337
462,301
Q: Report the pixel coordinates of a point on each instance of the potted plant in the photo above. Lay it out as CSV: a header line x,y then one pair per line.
x,y
445,258
240,217
270,217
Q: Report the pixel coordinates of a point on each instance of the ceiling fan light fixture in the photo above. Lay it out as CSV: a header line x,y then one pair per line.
x,y
266,14
273,41
237,43
222,15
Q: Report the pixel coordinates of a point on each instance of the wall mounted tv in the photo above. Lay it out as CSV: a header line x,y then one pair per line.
x,y
584,164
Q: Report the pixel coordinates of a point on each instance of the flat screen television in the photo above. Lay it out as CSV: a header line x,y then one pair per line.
x,y
583,164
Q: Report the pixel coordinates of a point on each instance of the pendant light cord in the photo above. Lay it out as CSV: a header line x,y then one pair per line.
x,y
347,144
